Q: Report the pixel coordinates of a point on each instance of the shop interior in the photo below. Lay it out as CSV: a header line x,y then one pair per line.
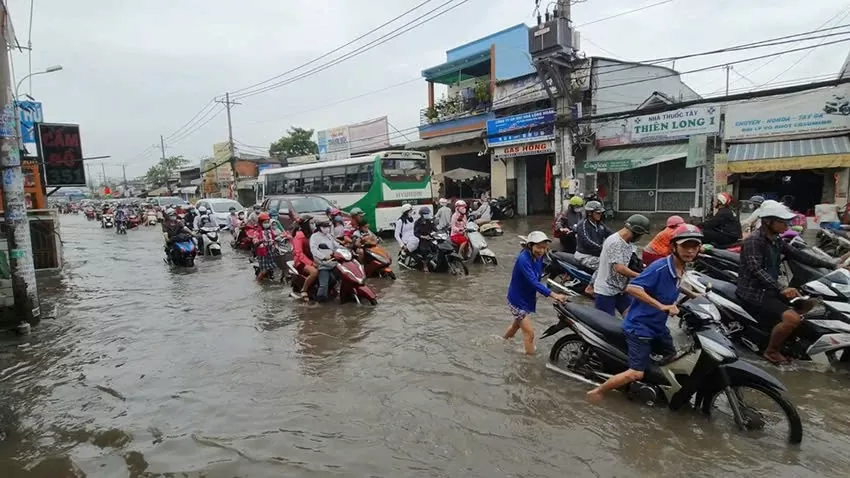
x,y
804,186
472,188
535,173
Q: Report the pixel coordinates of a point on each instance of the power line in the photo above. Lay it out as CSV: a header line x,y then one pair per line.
x,y
188,123
362,49
198,127
325,55
621,14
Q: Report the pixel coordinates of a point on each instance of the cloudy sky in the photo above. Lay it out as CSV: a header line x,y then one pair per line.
x,y
136,70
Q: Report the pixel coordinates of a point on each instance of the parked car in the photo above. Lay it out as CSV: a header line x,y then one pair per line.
x,y
221,209
165,201
290,207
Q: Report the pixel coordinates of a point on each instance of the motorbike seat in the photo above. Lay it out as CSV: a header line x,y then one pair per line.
x,y
726,255
609,326
724,289
570,259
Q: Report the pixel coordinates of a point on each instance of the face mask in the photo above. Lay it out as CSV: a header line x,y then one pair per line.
x,y
326,230
426,216
266,225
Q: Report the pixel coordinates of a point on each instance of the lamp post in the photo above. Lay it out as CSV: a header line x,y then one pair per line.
x,y
49,69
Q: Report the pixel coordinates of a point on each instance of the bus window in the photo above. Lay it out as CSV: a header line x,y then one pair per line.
x,y
334,179
404,170
359,178
312,181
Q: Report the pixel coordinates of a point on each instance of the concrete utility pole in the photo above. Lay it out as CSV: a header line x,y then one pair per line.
x,y
162,146
232,159
24,287
124,173
564,139
728,69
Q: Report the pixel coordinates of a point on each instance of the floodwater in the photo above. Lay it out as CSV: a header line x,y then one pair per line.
x,y
152,372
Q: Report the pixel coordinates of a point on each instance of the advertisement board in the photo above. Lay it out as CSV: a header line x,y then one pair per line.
x,y
518,91
349,140
222,172
62,154
818,112
658,127
29,113
525,128
333,144
527,149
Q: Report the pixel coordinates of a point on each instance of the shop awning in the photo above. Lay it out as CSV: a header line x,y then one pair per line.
x,y
158,192
812,153
616,160
189,190
470,66
432,143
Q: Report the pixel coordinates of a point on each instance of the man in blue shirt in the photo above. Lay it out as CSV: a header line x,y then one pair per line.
x,y
655,291
525,285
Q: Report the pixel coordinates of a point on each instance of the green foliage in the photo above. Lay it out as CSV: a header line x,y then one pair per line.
x,y
296,142
159,173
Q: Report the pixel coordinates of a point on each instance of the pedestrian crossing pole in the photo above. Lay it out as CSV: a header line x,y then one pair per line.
x,y
21,267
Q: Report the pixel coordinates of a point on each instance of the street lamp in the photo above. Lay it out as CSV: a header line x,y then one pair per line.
x,y
49,69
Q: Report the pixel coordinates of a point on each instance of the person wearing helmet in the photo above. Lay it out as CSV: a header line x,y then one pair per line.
x,y
172,228
357,216
567,222
458,228
301,254
613,275
752,223
723,228
323,256
423,228
759,289
252,216
659,247
590,234
263,247
404,234
443,218
525,285
481,214
654,292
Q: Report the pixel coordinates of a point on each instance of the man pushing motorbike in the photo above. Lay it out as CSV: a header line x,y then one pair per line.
x,y
758,279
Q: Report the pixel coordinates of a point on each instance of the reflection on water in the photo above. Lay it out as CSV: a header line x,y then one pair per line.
x,y
150,372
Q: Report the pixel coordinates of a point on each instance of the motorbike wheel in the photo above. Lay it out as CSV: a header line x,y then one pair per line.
x,y
509,213
391,275
489,260
457,268
753,418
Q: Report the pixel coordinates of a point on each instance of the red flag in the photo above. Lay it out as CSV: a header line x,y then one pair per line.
x,y
107,191
547,187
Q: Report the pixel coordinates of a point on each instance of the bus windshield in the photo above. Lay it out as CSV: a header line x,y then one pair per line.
x,y
404,170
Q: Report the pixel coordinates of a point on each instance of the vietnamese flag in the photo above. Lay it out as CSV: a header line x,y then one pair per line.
x,y
107,191
547,187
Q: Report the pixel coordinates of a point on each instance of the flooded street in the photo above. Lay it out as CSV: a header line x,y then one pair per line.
x,y
150,372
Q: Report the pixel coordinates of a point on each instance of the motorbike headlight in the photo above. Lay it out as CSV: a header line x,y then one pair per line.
x,y
716,350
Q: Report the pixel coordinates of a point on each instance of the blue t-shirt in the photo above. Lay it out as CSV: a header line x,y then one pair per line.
x,y
525,282
660,281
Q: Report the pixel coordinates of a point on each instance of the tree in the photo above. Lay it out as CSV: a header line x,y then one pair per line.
x,y
297,142
159,173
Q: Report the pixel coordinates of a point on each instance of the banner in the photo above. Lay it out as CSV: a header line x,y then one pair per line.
x,y
525,128
518,91
721,172
333,144
527,149
675,124
345,141
29,113
62,154
819,112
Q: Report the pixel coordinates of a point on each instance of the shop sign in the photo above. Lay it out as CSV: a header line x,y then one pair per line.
x,y
721,172
675,124
527,149
518,91
30,114
823,112
62,154
534,126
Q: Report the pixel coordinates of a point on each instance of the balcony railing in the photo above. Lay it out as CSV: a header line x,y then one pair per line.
x,y
459,106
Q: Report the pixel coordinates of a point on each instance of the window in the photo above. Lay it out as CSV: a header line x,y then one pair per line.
x,y
311,204
333,180
404,170
359,178
312,181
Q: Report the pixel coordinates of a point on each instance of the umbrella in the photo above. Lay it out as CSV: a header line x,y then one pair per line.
x,y
463,174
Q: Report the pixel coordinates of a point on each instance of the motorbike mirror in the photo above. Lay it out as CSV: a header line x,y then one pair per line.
x,y
324,247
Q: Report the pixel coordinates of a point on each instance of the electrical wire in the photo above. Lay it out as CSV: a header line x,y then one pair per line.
x,y
190,122
325,55
198,127
362,49
622,14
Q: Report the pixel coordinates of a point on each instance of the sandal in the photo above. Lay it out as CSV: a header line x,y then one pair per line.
x,y
305,296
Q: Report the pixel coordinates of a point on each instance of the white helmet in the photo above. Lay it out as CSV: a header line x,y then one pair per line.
x,y
443,201
405,208
775,211
535,237
202,209
460,203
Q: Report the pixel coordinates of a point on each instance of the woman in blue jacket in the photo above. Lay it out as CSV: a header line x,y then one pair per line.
x,y
525,285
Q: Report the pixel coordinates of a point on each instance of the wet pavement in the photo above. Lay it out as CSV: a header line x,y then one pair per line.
x,y
151,372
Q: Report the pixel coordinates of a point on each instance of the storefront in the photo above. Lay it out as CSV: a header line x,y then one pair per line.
x,y
654,163
524,145
793,147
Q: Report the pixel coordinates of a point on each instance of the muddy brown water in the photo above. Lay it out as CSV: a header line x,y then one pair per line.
x,y
152,372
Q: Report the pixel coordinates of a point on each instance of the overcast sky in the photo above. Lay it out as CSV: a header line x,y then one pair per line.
x,y
136,70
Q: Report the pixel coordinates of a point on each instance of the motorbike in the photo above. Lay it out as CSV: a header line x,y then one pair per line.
x,y
208,241
348,279
133,221
563,272
707,369
480,253
106,221
245,238
444,257
833,242
824,330
121,227
502,208
718,263
377,261
183,251
151,219
90,214
837,105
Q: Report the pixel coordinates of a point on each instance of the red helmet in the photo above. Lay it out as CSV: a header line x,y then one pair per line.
x,y
686,233
263,216
334,212
674,221
724,199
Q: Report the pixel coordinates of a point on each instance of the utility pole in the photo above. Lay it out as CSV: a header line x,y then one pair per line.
x,y
232,159
564,139
103,173
162,145
728,69
124,173
22,269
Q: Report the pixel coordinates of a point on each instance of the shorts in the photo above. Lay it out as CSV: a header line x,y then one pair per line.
x,y
641,349
611,304
265,263
769,312
459,239
517,313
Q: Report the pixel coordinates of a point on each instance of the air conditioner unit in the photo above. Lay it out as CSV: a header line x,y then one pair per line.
x,y
550,37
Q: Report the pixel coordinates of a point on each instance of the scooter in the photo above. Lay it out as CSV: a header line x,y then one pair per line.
x,y
133,221
563,272
444,257
718,263
151,219
838,105
706,370
183,251
245,238
348,279
208,241
377,262
106,221
821,332
121,227
480,253
90,214
502,208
